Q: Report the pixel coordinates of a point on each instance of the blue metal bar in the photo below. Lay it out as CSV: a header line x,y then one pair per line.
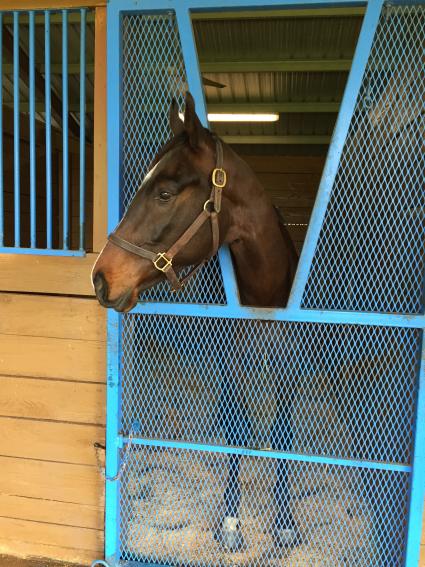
x,y
112,444
41,251
193,74
47,84
288,314
1,135
16,140
339,136
82,125
113,339
190,57
269,454
33,202
223,5
417,492
65,164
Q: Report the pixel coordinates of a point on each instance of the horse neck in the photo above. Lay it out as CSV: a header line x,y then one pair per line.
x,y
262,251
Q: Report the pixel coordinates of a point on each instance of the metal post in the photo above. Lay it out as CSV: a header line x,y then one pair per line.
x,y
193,74
417,481
33,201
82,124
65,180
1,135
352,88
16,137
48,130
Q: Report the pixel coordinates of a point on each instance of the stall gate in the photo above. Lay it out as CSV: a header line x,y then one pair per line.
x,y
346,351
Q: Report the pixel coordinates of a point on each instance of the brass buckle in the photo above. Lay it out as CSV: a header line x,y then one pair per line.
x,y
219,177
168,263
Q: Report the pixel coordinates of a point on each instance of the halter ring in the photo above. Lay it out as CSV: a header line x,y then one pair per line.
x,y
162,257
206,206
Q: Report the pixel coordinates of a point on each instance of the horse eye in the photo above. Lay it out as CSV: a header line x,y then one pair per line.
x,y
165,196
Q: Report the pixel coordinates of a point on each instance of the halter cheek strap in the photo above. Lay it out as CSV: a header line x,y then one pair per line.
x,y
163,261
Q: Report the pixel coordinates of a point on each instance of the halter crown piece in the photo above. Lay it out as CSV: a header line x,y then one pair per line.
x,y
163,261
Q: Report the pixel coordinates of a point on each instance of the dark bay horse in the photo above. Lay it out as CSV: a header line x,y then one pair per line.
x,y
198,195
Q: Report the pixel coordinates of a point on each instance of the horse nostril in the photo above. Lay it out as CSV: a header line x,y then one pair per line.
x,y
100,285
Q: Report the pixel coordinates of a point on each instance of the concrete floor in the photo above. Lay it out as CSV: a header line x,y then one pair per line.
x,y
6,561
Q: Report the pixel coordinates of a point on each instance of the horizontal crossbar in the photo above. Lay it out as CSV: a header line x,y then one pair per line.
x,y
266,453
281,314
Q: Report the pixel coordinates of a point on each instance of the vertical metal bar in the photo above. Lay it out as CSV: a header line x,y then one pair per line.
x,y
417,490
193,74
33,201
16,161
339,136
1,135
47,85
65,164
112,506
82,124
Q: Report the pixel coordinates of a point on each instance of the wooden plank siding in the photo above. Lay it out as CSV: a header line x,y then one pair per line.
x,y
52,411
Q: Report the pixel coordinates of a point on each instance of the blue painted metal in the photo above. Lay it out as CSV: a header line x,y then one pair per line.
x,y
16,137
233,311
34,239
112,435
1,135
352,88
82,125
114,320
269,454
266,314
33,202
48,106
417,486
42,251
65,169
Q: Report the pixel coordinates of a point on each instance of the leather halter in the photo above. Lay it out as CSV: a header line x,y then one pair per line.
x,y
163,261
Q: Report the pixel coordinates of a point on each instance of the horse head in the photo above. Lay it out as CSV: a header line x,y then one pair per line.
x,y
172,221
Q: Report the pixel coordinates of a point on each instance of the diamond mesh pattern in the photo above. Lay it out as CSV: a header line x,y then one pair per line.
x,y
370,251
152,74
351,388
171,506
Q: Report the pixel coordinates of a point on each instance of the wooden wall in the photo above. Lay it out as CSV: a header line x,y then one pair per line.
x,y
53,362
52,410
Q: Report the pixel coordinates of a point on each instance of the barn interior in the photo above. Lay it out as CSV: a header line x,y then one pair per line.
x,y
291,63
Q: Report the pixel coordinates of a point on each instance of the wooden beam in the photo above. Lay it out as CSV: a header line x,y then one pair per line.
x,y
277,65
52,400
47,274
344,12
24,69
288,107
100,177
297,140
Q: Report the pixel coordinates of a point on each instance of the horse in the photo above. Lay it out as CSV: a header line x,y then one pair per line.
x,y
198,195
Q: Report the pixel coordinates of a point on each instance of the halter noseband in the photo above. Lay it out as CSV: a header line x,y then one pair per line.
x,y
163,261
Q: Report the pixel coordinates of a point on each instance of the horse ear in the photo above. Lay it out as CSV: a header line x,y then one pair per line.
x,y
192,124
176,124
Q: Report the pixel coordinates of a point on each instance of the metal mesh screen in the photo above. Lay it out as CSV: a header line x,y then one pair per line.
x,y
171,502
370,251
345,391
152,74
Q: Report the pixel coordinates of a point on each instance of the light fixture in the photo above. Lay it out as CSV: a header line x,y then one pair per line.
x,y
225,117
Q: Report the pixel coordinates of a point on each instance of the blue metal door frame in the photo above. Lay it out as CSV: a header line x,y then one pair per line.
x,y
233,309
